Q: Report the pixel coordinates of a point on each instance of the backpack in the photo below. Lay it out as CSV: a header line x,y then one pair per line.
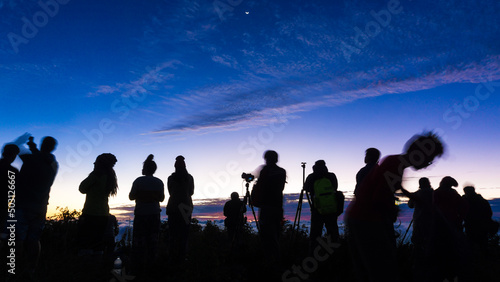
x,y
325,197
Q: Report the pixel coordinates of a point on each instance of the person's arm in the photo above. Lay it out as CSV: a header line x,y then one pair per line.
x,y
225,211
335,182
133,192
87,183
162,192
191,185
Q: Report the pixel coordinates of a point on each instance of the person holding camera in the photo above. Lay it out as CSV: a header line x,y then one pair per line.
x,y
36,177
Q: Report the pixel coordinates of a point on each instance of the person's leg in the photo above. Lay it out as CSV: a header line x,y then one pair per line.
x,y
270,228
332,227
32,247
355,240
315,230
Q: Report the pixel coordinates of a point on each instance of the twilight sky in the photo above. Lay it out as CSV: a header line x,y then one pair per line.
x,y
222,81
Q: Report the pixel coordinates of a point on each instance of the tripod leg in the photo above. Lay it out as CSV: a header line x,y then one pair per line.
x,y
296,222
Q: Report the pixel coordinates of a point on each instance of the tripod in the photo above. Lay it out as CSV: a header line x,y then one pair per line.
x,y
296,222
247,197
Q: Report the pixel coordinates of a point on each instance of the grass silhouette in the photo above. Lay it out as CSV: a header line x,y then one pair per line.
x,y
211,257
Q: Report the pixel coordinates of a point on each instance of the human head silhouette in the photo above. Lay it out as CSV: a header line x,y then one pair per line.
x,y
424,183
235,196
149,166
180,164
447,182
421,150
469,190
105,161
9,152
48,144
320,167
271,157
372,155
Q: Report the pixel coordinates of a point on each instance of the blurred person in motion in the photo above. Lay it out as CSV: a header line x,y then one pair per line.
x,y
98,187
147,191
271,182
180,186
36,177
371,215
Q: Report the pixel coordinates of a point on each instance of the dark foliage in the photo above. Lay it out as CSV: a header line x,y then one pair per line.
x,y
213,257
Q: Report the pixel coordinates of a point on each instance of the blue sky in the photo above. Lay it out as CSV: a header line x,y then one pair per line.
x,y
222,81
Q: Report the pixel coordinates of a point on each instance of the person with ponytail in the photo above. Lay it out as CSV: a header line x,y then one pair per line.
x,y
179,209
147,191
98,186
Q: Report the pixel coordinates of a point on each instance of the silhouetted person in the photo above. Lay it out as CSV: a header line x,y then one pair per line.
x,y
234,211
36,177
319,220
372,213
423,224
272,179
147,191
478,219
98,186
7,173
179,209
450,244
372,155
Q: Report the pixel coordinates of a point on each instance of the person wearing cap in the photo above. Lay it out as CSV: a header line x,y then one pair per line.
x,y
449,203
450,252
318,220
180,186
97,187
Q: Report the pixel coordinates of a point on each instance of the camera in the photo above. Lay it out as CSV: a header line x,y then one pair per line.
x,y
248,177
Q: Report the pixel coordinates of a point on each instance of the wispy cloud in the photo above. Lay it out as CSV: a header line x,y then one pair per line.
x,y
147,81
288,57
249,104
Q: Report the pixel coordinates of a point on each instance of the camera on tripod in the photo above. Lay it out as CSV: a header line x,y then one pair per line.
x,y
248,177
